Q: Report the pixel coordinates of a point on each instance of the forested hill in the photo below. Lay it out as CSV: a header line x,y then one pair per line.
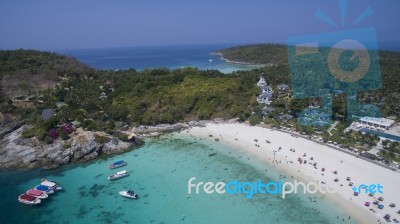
x,y
33,81
26,71
256,54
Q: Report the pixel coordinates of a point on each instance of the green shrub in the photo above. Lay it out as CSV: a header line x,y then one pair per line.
x,y
122,136
48,140
29,133
254,120
64,135
101,139
38,132
67,145
91,125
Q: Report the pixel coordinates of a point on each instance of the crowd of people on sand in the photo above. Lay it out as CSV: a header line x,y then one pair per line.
x,y
276,161
303,159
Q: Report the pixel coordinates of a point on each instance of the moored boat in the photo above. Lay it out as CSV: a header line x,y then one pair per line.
x,y
37,193
51,184
44,189
129,194
28,199
117,164
118,175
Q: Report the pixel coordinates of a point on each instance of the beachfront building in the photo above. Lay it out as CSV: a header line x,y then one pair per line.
x,y
262,82
266,89
103,96
266,92
267,110
383,127
377,123
286,117
265,98
283,88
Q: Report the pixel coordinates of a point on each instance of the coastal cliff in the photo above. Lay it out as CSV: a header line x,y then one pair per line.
x,y
83,146
19,152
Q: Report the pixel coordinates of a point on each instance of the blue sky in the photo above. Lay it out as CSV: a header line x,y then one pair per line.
x,y
76,24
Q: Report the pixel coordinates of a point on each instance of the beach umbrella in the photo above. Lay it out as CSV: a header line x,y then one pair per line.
x,y
380,206
367,203
355,193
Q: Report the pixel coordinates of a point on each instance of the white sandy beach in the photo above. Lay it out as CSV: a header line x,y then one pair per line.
x,y
241,137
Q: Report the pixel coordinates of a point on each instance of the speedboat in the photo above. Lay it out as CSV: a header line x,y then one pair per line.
x,y
129,194
117,164
44,189
28,199
118,175
37,193
51,185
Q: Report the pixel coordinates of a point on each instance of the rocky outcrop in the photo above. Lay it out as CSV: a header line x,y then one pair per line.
x,y
16,151
6,127
164,128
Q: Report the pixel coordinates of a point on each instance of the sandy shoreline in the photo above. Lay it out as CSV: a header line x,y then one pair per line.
x,y
243,137
221,57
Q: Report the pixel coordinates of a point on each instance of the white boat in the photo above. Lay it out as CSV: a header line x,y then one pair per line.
x,y
118,175
210,60
28,199
52,185
129,194
37,193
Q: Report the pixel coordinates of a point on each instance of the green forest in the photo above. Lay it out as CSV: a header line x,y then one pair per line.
x,y
256,54
33,81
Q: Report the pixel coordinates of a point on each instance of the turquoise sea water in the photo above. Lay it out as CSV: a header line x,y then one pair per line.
x,y
159,172
171,57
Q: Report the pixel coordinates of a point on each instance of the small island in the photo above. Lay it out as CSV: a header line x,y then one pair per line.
x,y
259,54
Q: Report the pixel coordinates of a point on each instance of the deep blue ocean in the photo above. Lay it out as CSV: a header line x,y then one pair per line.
x,y
171,57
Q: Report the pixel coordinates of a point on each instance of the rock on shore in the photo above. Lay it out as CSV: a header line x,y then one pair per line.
x,y
146,131
18,152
